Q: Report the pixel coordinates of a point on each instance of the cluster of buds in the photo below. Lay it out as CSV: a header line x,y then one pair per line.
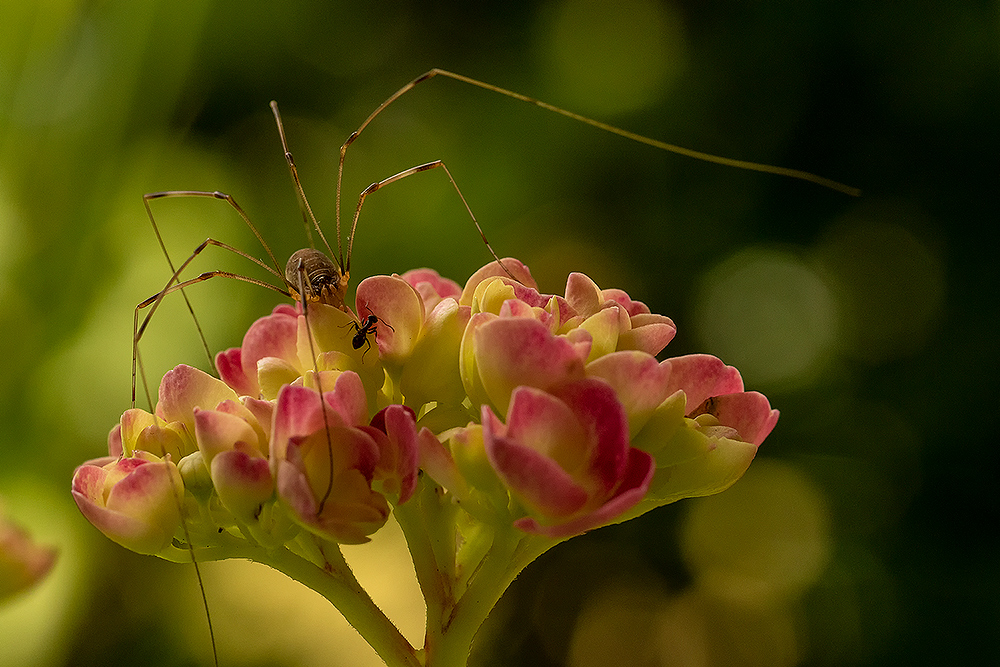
x,y
549,415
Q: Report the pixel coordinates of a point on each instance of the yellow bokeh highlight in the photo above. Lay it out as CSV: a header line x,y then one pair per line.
x,y
769,313
612,57
763,541
693,630
615,627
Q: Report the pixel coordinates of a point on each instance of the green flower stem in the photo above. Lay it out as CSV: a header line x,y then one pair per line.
x,y
337,584
431,542
320,566
449,645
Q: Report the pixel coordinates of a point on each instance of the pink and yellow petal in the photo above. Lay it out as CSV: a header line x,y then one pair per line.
x,y
184,388
433,373
649,333
516,351
639,381
492,270
398,305
702,376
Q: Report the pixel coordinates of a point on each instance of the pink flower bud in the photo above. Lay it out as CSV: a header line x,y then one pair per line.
x,y
133,501
565,455
324,466
239,470
431,287
273,336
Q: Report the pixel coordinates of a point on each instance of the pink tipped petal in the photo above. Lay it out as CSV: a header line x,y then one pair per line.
x,y
401,461
702,376
621,298
437,461
538,481
348,399
639,381
272,336
491,270
596,406
397,304
229,364
184,388
633,489
298,413
518,351
546,424
516,308
431,287
749,413
583,294
293,488
243,482
132,501
218,432
263,413
115,448
649,333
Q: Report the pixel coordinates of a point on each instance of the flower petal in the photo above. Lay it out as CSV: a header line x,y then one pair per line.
x,y
397,305
748,412
183,389
516,268
650,333
539,482
639,381
702,376
519,351
635,484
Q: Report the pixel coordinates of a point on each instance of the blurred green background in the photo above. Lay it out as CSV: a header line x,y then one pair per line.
x,y
866,532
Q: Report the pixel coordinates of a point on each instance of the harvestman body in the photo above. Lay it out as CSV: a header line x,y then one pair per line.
x,y
311,276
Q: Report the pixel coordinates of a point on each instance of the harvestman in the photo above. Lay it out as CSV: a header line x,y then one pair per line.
x,y
310,276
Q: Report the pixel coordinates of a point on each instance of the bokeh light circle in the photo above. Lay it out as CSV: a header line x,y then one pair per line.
x,y
768,313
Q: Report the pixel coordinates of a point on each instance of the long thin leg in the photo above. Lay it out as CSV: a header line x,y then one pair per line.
x,y
410,172
302,280
175,285
655,143
307,212
147,198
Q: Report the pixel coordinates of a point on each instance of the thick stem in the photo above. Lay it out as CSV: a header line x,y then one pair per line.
x,y
449,645
430,539
336,583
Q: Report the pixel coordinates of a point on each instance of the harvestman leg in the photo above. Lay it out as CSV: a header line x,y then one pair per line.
x,y
175,284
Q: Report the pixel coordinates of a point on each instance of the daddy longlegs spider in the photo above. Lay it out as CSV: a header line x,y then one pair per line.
x,y
311,276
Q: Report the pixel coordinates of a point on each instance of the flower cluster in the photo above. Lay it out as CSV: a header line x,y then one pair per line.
x,y
550,415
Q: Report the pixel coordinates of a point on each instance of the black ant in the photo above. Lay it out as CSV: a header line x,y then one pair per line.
x,y
361,332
